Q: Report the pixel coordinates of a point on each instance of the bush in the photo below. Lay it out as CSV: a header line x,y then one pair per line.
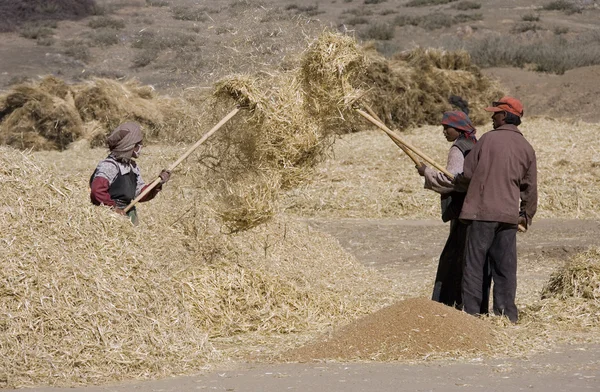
x,y
144,57
530,18
379,31
357,20
524,27
558,30
78,50
309,10
361,11
166,39
562,5
436,20
16,13
462,18
157,3
374,1
388,12
196,14
104,37
106,22
467,5
33,31
426,3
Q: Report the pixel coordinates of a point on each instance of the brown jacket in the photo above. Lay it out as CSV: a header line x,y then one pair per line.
x,y
500,170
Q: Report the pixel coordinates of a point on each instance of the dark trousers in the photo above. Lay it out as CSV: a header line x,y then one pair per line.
x,y
448,279
494,243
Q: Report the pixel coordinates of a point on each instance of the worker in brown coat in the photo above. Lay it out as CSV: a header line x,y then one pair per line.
x,y
501,175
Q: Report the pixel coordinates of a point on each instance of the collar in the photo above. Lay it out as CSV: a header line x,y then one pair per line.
x,y
508,127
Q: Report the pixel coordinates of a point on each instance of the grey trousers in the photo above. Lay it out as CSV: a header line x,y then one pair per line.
x,y
494,243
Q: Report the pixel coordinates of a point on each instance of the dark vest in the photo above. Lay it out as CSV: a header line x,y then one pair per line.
x,y
452,202
122,189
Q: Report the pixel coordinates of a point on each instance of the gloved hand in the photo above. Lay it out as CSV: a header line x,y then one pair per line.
x,y
421,169
165,176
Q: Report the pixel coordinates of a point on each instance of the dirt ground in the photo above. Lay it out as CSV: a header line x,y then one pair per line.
x,y
403,249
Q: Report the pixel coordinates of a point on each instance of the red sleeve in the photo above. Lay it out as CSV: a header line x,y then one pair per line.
x,y
150,194
99,192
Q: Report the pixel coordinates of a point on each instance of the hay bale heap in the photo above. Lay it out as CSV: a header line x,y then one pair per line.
x,y
87,298
571,298
412,88
51,114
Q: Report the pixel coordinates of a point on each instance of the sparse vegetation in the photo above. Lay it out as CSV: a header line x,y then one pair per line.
x,y
78,50
524,27
374,1
530,18
379,31
144,57
166,39
357,20
104,37
467,5
558,30
361,11
565,6
196,14
157,3
554,56
106,22
35,31
309,10
426,3
388,12
15,13
436,20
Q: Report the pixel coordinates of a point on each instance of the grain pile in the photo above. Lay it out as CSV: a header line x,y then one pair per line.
x,y
408,330
87,298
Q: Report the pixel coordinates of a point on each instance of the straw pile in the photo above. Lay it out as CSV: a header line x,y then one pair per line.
x,y
413,88
410,329
87,298
50,114
579,278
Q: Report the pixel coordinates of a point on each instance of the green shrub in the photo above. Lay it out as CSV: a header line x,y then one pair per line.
x,y
104,22
379,31
562,5
426,3
467,5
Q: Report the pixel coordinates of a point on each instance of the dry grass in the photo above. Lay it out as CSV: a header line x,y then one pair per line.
x,y
88,298
369,177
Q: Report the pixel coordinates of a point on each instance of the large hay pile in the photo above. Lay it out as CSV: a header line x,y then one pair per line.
x,y
87,298
50,114
412,89
410,329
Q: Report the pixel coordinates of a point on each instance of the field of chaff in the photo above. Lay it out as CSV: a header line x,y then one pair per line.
x,y
222,266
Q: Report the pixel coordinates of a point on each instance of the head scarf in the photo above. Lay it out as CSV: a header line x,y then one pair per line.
x,y
461,122
123,139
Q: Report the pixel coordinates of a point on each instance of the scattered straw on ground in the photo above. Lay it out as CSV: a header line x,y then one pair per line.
x,y
410,329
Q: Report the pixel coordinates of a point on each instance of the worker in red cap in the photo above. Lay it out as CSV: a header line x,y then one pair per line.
x,y
501,175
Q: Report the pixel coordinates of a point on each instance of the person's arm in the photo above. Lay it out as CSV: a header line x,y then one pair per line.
x,y
529,193
141,186
438,181
106,172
